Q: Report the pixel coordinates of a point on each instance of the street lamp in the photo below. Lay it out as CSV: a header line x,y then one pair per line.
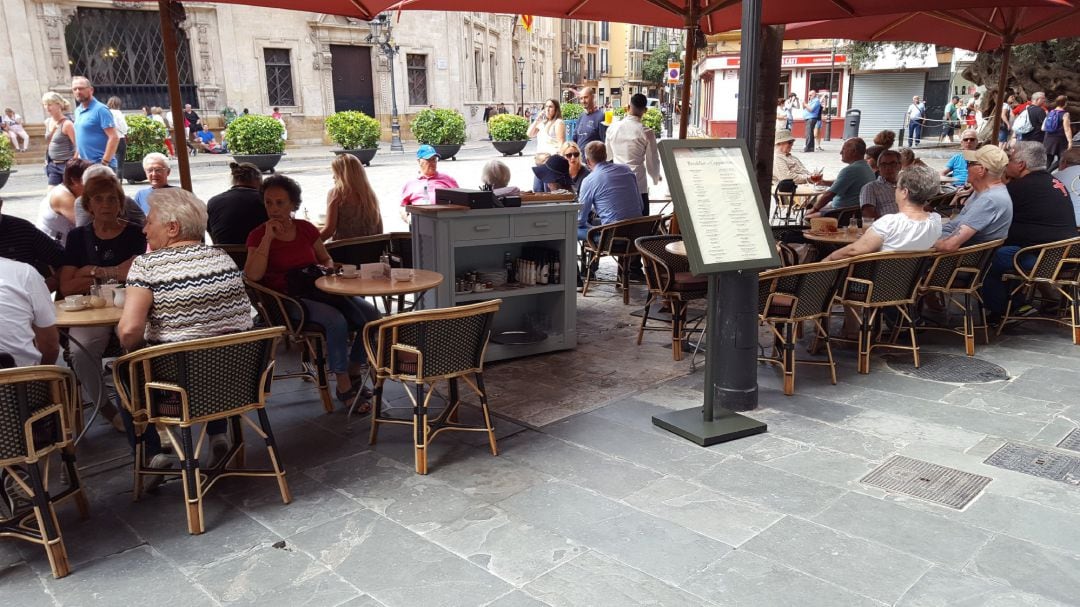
x,y
382,35
558,85
521,75
673,46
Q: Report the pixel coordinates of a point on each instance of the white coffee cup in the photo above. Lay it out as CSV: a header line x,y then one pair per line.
x,y
74,301
348,270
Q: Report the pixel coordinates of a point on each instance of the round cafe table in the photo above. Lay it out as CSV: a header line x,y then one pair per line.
x,y
108,316
379,287
676,248
839,238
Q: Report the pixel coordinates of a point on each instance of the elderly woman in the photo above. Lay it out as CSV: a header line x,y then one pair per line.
x,y
279,252
421,189
495,176
56,212
157,170
181,290
100,251
130,213
578,171
911,229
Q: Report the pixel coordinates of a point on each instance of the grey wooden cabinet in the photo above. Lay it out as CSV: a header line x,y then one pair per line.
x,y
455,240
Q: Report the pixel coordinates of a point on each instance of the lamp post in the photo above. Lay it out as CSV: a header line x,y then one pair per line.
x,y
558,85
521,76
381,34
828,103
673,47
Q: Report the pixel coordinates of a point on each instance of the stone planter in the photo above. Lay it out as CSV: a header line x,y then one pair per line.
x,y
448,151
264,162
134,172
509,148
363,155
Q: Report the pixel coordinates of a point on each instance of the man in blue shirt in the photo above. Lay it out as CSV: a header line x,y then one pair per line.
x,y
813,118
957,166
95,132
588,126
610,189
844,191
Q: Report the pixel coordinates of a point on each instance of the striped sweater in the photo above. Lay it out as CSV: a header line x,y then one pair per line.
x,y
198,292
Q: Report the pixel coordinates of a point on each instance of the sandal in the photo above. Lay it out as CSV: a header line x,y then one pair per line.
x,y
349,395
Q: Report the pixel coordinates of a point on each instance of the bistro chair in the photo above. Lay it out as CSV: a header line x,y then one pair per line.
x,y
35,406
789,296
669,279
616,240
787,207
279,310
193,382
877,282
958,277
423,348
361,250
1057,266
238,252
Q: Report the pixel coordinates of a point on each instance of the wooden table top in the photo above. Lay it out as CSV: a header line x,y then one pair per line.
x,y
676,248
377,287
839,238
807,189
88,317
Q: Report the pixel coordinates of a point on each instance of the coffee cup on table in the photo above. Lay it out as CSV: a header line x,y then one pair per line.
x,y
348,270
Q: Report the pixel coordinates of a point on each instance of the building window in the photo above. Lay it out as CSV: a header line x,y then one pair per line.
x,y
491,75
279,84
603,61
604,31
478,73
417,74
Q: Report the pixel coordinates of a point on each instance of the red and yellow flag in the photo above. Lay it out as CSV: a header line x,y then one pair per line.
x,y
526,22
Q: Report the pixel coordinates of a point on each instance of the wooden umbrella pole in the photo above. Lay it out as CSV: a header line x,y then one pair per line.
x,y
693,13
168,38
1003,80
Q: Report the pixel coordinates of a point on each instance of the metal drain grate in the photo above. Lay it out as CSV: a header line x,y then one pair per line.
x,y
1071,442
1042,463
924,480
949,368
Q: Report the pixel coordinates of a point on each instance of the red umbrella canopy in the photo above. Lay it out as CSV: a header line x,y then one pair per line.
x,y
975,29
359,9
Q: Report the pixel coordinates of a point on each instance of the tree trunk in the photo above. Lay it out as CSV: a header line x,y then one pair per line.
x,y
772,48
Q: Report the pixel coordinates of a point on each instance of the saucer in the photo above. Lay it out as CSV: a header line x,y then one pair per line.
x,y
72,307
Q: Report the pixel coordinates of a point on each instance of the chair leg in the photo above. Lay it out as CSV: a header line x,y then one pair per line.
x,y
275,458
678,312
455,401
1074,309
67,459
864,341
487,413
823,331
588,273
319,355
624,263
189,470
789,358
905,312
376,410
420,429
645,317
239,458
969,326
47,523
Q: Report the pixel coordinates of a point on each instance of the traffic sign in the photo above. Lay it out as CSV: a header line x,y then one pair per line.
x,y
674,68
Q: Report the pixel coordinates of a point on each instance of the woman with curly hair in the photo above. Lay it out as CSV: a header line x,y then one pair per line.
x,y
885,139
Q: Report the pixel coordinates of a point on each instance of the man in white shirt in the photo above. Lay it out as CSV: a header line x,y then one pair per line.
x,y
1069,174
915,114
630,143
27,318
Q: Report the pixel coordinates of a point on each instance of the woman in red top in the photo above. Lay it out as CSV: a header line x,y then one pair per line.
x,y
283,244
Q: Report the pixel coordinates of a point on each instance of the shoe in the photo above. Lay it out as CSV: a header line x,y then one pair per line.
x,y
1027,310
349,395
15,497
161,460
219,448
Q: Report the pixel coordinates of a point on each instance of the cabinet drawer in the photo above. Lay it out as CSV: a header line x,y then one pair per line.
x,y
539,224
480,228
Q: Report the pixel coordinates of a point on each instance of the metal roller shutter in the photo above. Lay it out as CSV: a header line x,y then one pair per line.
x,y
883,99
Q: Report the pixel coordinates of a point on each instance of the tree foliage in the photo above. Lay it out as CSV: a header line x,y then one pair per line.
x,y
1052,67
863,54
654,68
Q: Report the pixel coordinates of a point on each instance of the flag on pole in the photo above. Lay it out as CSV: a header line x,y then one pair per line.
x,y
526,22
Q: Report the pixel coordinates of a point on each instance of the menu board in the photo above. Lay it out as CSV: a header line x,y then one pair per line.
x,y
718,205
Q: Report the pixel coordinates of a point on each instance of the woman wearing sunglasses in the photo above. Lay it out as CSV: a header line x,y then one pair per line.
x,y
578,170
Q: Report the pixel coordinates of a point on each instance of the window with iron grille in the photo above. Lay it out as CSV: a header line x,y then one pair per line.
x,y
120,52
417,73
279,84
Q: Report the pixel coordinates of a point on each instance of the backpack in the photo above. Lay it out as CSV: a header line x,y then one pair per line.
x,y
1022,125
1052,124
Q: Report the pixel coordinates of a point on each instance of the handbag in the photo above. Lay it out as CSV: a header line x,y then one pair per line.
x,y
300,282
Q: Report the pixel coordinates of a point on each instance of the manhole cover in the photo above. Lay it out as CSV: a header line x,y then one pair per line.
x,y
950,368
1042,463
1071,442
924,480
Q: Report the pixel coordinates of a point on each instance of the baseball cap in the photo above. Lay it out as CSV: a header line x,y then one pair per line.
x,y
990,156
426,152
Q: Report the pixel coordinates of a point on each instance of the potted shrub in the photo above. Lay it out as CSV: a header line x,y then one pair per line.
x,y
7,158
356,133
509,133
653,119
256,139
571,112
443,130
144,136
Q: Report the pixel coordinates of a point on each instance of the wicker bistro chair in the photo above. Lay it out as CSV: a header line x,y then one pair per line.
x,y
879,281
35,406
238,252
274,309
423,348
186,383
1058,267
616,240
668,278
958,277
789,296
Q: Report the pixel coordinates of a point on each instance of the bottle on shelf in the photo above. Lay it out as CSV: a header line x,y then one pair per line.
x,y
508,264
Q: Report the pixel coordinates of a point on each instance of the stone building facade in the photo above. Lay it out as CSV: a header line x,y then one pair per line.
x,y
308,64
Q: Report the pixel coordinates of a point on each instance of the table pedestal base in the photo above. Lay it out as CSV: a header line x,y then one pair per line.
x,y
726,425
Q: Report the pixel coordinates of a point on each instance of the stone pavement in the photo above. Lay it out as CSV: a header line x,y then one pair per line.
x,y
603,508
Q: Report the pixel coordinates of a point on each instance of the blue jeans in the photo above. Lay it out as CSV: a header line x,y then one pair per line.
x,y
337,322
995,292
914,128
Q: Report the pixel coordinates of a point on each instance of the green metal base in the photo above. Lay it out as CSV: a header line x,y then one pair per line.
x,y
726,426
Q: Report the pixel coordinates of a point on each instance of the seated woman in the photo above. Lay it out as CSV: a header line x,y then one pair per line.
x,y
578,171
352,209
130,211
912,229
56,213
495,176
555,174
100,251
285,246
181,290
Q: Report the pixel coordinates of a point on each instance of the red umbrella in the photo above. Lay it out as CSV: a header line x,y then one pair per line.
x,y
975,29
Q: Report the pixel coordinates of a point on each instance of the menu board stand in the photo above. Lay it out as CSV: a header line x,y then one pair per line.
x,y
727,237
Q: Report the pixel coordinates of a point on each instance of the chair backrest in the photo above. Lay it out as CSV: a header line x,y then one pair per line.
x,y
844,216
276,309
238,252
217,374
660,264
1057,262
618,237
34,406
810,288
362,249
884,279
431,344
961,270
401,248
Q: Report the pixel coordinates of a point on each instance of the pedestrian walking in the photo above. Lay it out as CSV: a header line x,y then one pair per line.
x,y
950,119
812,115
916,113
95,127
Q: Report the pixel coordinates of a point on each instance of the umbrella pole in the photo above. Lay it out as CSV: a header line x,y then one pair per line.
x,y
168,38
692,15
1003,80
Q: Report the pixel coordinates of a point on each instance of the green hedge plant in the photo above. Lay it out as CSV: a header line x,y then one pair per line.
x,y
438,127
255,134
143,137
354,130
7,155
572,111
653,119
509,127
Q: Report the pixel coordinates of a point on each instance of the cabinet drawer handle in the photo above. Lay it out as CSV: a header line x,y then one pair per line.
x,y
540,224
482,228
